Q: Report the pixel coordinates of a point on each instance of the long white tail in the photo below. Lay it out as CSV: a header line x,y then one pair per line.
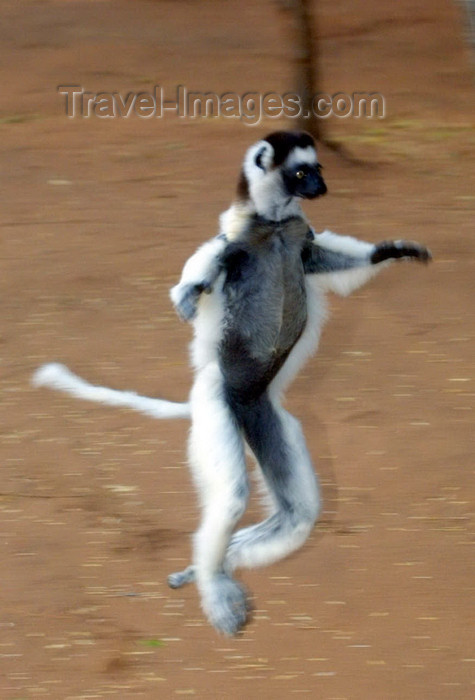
x,y
56,376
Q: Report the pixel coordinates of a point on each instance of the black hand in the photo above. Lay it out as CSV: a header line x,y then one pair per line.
x,y
389,250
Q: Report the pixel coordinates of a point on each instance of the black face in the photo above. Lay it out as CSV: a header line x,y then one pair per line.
x,y
304,181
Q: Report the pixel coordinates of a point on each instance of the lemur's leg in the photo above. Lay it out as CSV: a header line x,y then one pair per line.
x,y
217,460
343,263
199,274
278,443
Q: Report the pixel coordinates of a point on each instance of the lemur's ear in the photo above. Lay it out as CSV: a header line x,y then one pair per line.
x,y
261,156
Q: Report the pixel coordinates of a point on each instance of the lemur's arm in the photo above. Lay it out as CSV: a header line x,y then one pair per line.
x,y
343,263
198,276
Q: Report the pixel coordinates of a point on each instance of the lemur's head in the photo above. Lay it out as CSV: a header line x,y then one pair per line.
x,y
279,170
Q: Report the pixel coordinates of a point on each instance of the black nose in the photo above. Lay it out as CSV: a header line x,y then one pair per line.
x,y
315,187
322,188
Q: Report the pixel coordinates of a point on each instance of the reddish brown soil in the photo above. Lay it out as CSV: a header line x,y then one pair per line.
x,y
97,218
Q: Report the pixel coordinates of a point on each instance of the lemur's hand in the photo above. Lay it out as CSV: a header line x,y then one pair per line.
x,y
185,298
390,250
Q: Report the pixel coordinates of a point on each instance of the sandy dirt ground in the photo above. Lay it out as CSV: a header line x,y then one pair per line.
x,y
97,217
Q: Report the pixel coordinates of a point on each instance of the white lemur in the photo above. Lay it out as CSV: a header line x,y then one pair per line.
x,y
255,296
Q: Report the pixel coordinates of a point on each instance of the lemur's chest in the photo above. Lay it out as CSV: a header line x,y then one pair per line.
x,y
265,306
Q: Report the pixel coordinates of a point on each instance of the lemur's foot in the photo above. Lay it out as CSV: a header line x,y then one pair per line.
x,y
225,604
181,578
390,250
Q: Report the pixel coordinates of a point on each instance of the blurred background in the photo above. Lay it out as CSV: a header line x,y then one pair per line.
x,y
97,218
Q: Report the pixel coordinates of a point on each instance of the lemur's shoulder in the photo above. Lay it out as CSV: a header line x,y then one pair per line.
x,y
234,221
239,223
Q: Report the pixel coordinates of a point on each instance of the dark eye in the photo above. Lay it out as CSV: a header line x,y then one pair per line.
x,y
300,174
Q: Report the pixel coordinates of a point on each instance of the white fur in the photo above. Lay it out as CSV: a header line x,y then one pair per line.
x,y
57,376
207,391
300,155
207,326
234,221
201,266
218,466
267,154
345,244
268,197
345,282
216,451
